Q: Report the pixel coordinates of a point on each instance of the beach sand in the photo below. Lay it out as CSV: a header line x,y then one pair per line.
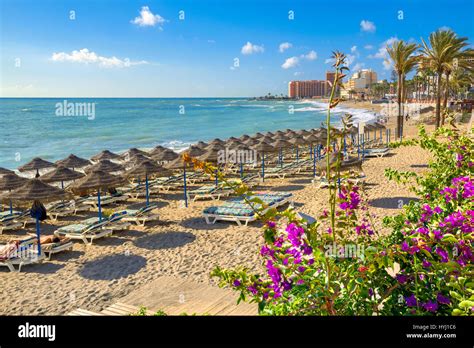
x,y
180,246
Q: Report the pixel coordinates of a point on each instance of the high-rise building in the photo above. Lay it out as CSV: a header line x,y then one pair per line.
x,y
307,89
360,82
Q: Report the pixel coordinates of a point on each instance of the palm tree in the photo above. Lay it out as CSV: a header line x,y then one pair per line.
x,y
404,61
444,50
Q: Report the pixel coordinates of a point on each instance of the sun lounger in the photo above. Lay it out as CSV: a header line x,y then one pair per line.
x,y
87,231
20,253
376,152
141,216
208,191
237,210
8,222
53,244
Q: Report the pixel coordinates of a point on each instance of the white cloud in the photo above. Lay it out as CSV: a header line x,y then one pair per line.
x,y
387,64
85,56
290,63
444,28
358,66
211,41
382,53
250,48
298,73
147,18
284,46
311,55
368,47
350,59
353,49
329,60
367,26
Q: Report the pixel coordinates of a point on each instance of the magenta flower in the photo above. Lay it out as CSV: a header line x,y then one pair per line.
x,y
443,299
411,301
430,306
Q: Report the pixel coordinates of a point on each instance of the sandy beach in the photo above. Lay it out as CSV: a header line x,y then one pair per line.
x,y
180,246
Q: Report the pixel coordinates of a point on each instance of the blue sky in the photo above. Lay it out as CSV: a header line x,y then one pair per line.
x,y
159,55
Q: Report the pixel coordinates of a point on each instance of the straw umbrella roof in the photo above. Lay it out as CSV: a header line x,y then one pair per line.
x,y
244,137
147,168
269,134
263,146
209,156
379,125
11,182
177,163
4,171
105,166
234,144
281,143
137,157
280,132
369,127
217,141
97,179
35,190
232,139
167,155
105,155
215,147
72,161
132,152
194,151
313,139
36,164
61,174
156,150
303,132
250,142
297,140
201,145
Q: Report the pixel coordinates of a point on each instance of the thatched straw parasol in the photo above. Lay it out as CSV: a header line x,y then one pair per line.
x,y
35,190
132,152
137,158
217,141
201,145
4,171
10,182
105,155
61,174
166,156
97,180
263,147
194,151
105,166
179,163
72,161
36,164
244,137
146,169
156,150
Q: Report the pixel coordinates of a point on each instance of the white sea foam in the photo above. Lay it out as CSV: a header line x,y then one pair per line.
x,y
358,115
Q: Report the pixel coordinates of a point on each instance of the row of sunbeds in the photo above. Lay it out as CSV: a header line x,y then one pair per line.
x,y
23,252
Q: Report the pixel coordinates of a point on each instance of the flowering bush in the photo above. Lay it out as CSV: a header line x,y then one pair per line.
x,y
424,267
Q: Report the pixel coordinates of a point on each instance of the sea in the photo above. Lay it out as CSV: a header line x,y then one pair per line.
x,y
53,128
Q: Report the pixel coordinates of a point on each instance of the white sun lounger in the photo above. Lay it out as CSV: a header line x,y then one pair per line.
x,y
87,231
20,253
141,216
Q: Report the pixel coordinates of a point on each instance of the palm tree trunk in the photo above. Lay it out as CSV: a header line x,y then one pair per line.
x,y
438,100
446,94
399,100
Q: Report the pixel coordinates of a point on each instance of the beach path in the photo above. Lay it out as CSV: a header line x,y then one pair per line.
x,y
175,296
